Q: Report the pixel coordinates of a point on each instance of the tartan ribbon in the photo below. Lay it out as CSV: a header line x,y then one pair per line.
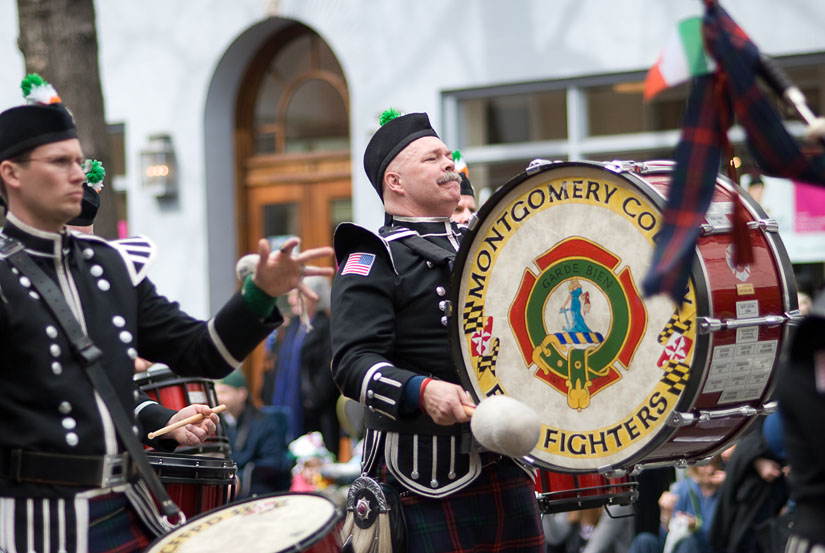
x,y
703,139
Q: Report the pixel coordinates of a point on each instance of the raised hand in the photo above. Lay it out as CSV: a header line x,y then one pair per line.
x,y
278,272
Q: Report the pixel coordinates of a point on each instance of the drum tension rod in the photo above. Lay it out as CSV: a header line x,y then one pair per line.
x,y
678,419
706,325
768,225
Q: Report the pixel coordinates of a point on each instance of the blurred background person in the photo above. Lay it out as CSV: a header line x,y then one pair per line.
x,y
466,207
754,490
319,393
687,511
257,438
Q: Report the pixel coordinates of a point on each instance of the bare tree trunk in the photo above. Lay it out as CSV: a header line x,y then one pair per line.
x,y
58,39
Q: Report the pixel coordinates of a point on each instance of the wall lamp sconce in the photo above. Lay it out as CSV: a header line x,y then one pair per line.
x,y
160,175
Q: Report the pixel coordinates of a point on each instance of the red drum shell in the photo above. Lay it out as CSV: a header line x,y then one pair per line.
x,y
278,523
560,492
196,484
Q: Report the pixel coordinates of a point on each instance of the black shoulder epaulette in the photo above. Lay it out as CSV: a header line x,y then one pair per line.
x,y
350,237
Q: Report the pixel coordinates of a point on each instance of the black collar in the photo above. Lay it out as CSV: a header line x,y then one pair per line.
x,y
35,241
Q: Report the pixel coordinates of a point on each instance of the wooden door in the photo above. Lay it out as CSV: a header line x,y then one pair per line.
x,y
303,195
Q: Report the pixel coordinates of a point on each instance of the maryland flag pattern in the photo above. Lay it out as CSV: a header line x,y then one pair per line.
x,y
675,377
488,362
675,324
473,319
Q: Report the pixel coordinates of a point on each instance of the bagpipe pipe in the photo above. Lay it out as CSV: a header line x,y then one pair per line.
x,y
732,88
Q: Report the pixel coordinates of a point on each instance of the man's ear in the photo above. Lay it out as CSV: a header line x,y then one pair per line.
x,y
392,181
8,172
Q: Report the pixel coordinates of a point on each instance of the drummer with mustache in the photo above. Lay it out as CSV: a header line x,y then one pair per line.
x,y
391,352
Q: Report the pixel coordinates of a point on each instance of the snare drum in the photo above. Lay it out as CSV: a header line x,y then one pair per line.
x,y
547,308
560,492
195,483
177,392
278,523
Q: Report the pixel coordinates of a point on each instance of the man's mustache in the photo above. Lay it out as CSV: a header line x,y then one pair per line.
x,y
448,176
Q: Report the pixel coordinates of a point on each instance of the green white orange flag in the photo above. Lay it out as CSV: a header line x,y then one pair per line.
x,y
684,57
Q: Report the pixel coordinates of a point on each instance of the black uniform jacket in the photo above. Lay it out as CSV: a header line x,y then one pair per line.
x,y
47,402
801,393
389,302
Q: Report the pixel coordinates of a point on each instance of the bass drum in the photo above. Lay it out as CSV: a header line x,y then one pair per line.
x,y
546,307
281,523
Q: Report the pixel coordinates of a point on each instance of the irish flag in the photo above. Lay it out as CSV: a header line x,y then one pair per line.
x,y
684,57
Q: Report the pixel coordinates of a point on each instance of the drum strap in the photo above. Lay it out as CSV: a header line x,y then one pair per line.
x,y
88,354
428,250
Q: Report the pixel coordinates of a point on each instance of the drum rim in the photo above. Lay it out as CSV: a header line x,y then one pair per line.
x,y
324,531
221,471
698,274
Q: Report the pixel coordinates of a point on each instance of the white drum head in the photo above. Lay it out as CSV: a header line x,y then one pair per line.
x,y
272,524
548,309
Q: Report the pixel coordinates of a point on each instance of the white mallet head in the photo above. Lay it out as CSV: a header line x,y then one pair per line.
x,y
505,425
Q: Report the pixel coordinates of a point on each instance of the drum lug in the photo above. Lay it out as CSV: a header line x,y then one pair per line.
x,y
681,463
706,325
678,419
620,166
794,317
535,166
446,307
768,225
770,407
612,473
472,222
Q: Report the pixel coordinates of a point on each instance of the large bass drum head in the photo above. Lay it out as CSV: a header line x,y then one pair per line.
x,y
548,309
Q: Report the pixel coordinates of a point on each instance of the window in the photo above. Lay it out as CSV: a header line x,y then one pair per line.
x,y
302,101
602,117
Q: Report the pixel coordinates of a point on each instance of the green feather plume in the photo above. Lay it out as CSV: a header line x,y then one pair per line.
x,y
30,81
388,115
94,173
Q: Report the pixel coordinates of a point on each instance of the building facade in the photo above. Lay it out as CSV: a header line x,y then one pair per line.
x,y
267,105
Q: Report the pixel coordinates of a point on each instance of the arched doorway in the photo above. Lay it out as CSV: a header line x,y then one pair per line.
x,y
292,147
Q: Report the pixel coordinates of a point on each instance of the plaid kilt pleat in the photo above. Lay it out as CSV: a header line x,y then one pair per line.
x,y
114,526
498,512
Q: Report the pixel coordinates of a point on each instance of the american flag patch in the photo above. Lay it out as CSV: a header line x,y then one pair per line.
x,y
358,264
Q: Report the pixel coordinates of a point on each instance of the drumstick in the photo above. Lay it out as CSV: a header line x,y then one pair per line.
x,y
188,420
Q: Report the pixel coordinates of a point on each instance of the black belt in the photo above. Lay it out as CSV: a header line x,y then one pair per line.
x,y
35,467
420,423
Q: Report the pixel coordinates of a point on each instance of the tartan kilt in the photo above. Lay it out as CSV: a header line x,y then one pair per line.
x,y
497,512
114,526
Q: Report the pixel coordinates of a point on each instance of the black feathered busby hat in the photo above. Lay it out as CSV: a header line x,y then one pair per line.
x,y
396,133
91,193
43,121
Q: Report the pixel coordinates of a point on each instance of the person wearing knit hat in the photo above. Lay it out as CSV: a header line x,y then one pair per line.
x,y
467,203
69,297
258,440
391,352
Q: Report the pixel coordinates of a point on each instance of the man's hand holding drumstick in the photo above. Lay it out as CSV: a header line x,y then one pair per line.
x,y
499,423
195,432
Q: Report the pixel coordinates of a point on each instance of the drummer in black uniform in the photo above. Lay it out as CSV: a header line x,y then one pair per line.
x,y
65,482
801,394
392,354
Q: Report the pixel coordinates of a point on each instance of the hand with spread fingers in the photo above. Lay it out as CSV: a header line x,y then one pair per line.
x,y
278,272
